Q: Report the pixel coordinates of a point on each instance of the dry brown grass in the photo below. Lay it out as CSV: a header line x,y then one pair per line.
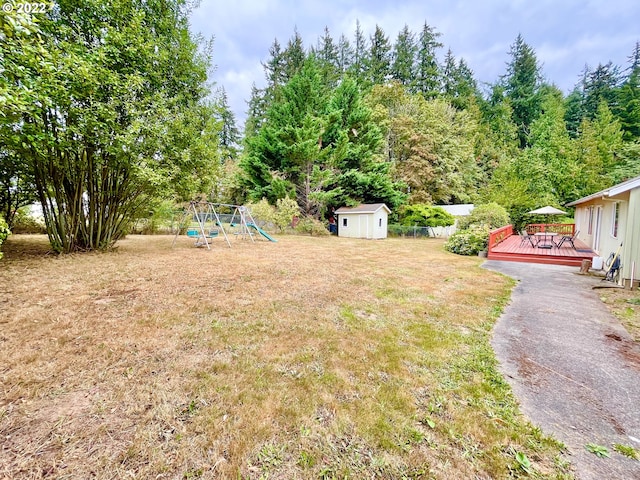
x,y
307,358
624,304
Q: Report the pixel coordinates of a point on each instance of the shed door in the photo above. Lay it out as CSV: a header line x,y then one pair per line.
x,y
364,226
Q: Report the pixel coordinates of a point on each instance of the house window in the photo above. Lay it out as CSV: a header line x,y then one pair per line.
x,y
614,224
590,229
379,222
344,222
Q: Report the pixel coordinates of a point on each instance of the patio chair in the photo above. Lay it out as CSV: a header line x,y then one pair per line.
x,y
570,239
525,237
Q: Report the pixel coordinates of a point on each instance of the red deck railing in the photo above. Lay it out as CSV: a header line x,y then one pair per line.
x,y
498,235
561,228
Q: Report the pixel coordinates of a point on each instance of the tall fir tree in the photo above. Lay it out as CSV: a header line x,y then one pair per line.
x,y
379,58
229,134
274,68
327,54
294,55
345,54
627,107
459,86
358,67
600,85
522,84
427,70
404,54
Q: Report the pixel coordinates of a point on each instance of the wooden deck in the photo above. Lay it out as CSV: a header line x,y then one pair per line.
x,y
511,250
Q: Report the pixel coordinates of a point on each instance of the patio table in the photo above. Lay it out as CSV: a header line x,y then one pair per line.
x,y
545,239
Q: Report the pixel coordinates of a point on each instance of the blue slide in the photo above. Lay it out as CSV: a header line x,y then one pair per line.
x,y
262,232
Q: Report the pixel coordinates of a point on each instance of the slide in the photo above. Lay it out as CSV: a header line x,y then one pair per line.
x,y
262,232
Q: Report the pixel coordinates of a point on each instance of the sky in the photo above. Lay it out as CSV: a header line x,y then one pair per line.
x,y
566,35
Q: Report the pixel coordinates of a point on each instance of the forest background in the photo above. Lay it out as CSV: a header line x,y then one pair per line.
x,y
108,115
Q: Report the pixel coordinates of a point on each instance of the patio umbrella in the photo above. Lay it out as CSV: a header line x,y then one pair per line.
x,y
548,210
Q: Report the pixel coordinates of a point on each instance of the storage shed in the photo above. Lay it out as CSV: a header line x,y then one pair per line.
x,y
363,221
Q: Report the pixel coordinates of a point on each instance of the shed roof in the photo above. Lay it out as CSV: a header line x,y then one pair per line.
x,y
460,210
363,208
609,192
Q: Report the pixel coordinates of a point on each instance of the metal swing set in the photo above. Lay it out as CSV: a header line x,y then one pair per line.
x,y
206,224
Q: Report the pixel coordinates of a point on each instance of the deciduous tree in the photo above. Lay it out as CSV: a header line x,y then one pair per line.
x,y
116,89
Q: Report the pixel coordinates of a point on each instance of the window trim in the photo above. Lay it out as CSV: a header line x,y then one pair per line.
x,y
615,220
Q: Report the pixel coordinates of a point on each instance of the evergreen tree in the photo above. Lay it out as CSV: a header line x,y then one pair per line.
x,y
327,49
345,54
379,58
600,85
522,84
229,134
449,74
628,99
354,140
256,113
274,68
359,65
327,54
574,111
404,53
634,59
293,56
282,158
458,84
427,70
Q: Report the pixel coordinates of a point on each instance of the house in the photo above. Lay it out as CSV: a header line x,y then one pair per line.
x,y
609,221
458,211
364,221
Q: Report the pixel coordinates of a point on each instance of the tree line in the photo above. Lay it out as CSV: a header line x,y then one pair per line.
x,y
106,112
423,131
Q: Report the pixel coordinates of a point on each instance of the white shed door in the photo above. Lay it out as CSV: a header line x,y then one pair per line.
x,y
364,226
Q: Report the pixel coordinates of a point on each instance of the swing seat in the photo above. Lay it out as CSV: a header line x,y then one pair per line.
x,y
193,233
212,233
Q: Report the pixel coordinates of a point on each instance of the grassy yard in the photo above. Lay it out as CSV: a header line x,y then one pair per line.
x,y
306,358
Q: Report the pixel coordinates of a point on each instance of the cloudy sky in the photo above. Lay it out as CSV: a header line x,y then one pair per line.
x,y
565,34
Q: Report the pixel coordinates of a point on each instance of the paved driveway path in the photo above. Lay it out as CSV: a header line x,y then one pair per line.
x,y
572,366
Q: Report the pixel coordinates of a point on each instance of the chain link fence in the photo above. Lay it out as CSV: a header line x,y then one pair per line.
x,y
412,232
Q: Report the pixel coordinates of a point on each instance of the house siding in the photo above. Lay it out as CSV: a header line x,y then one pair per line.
x,y
601,239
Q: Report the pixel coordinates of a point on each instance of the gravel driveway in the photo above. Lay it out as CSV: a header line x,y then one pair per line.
x,y
572,366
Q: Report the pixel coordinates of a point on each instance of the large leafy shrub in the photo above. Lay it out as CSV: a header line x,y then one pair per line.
x,y
490,214
473,231
311,226
281,215
424,215
24,222
468,241
4,232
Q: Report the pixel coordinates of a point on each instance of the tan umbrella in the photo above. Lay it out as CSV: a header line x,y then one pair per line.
x,y
548,210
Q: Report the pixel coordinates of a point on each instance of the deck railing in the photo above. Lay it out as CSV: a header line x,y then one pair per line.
x,y
559,228
498,235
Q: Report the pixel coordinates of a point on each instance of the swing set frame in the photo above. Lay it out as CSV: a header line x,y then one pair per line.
x,y
205,212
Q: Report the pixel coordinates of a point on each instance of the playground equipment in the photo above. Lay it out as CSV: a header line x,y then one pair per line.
x,y
207,224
